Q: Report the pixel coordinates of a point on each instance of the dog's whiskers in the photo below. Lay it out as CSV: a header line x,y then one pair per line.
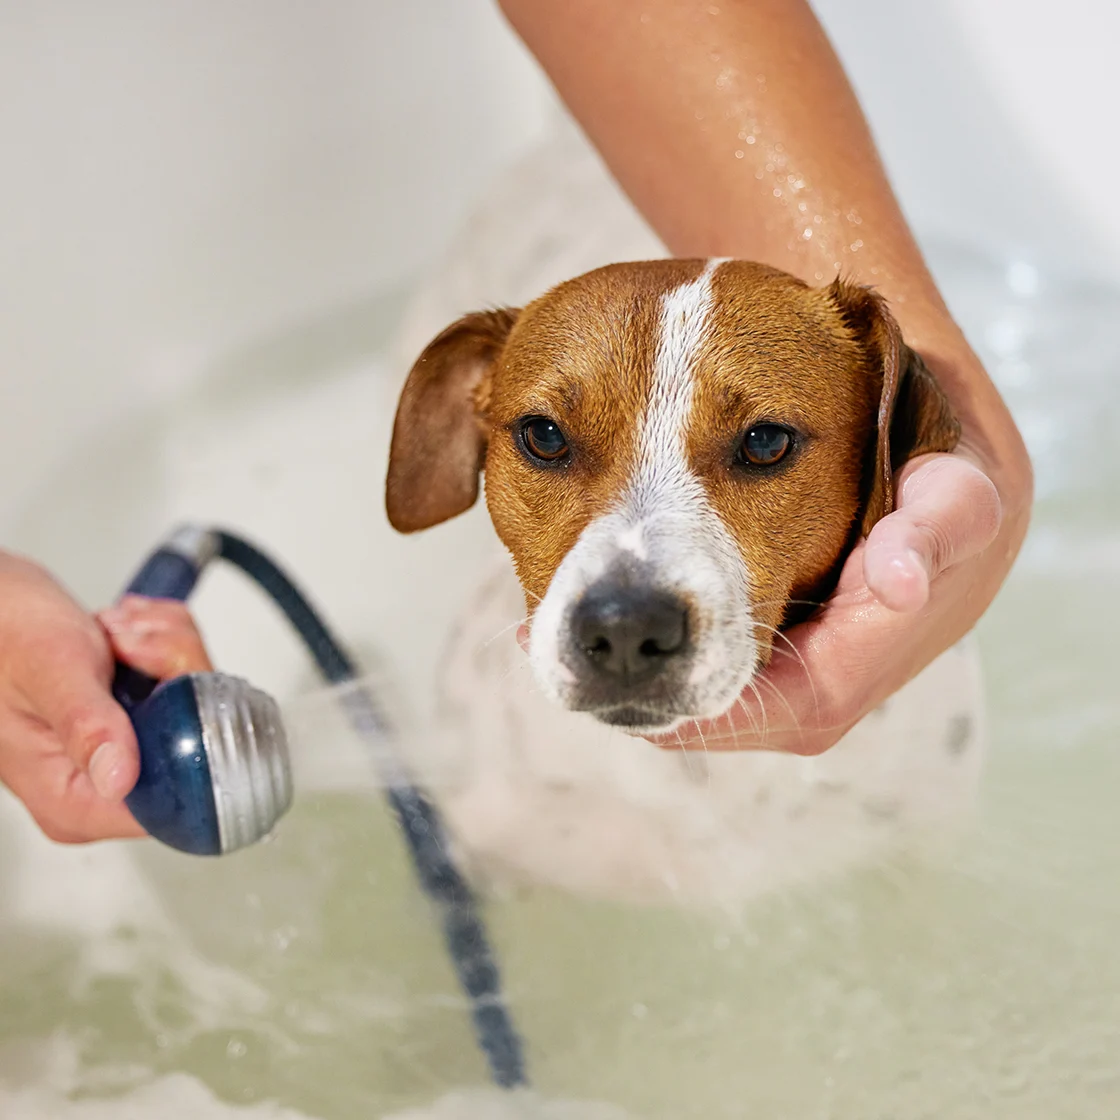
x,y
504,630
795,653
789,707
704,747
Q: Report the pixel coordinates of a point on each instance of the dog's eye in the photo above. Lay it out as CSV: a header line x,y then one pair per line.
x,y
765,444
543,439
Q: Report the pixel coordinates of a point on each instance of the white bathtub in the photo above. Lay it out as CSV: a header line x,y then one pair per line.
x,y
304,978
305,972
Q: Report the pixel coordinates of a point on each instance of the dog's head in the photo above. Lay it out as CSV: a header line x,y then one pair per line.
x,y
677,453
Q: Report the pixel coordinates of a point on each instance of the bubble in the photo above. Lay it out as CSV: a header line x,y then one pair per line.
x,y
807,232
739,153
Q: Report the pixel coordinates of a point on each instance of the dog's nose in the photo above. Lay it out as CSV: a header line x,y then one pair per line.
x,y
629,632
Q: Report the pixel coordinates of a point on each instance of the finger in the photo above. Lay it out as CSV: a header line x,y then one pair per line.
x,y
64,683
60,797
156,636
948,511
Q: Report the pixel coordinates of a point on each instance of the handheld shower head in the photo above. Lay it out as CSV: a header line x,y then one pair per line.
x,y
214,768
215,774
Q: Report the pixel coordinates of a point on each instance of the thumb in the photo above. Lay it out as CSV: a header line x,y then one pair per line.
x,y
948,511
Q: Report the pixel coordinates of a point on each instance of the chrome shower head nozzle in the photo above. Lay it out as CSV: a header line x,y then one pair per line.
x,y
215,773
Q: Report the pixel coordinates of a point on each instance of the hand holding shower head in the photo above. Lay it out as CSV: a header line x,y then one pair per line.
x,y
214,769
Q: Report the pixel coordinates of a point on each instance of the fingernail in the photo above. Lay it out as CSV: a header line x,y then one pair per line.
x,y
918,561
123,626
107,769
909,563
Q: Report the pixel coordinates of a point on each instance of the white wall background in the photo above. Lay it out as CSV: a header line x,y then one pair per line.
x,y
179,178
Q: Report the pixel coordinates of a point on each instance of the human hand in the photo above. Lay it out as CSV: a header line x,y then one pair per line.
x,y
915,586
67,749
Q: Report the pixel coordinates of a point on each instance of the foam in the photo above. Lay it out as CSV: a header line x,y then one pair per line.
x,y
175,1096
493,1104
181,1097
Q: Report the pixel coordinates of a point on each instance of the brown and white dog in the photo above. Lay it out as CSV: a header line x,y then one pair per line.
x,y
678,455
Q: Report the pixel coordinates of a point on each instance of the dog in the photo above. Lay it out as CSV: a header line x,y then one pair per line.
x,y
678,455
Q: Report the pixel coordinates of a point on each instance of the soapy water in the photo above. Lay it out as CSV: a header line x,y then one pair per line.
x,y
180,1097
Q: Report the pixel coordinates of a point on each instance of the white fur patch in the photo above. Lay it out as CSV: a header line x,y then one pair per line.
x,y
664,519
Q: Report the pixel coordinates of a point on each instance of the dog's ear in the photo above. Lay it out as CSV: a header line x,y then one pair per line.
x,y
914,415
439,435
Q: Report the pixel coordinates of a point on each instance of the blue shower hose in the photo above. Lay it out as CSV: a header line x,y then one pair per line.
x,y
168,574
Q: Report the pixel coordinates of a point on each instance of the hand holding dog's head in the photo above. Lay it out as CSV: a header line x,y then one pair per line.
x,y
677,454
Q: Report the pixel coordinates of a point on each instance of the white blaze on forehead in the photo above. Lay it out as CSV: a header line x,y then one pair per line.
x,y
662,465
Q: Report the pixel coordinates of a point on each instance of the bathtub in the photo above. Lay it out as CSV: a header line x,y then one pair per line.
x,y
304,978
